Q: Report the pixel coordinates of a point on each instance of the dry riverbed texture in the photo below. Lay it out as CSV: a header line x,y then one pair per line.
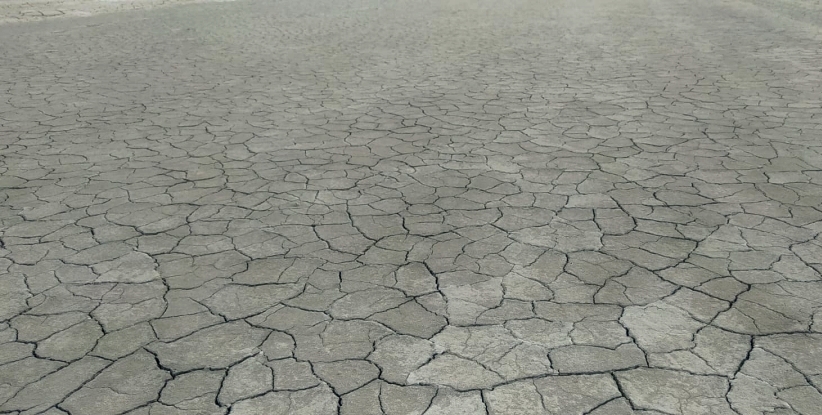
x,y
602,207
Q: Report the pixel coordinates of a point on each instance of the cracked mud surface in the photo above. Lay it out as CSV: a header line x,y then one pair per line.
x,y
438,207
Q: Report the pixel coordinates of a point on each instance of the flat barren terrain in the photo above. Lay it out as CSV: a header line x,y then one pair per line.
x,y
602,207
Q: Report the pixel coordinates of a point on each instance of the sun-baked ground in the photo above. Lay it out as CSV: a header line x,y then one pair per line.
x,y
443,207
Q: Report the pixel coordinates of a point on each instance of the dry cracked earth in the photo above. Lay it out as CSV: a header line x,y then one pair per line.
x,y
413,207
